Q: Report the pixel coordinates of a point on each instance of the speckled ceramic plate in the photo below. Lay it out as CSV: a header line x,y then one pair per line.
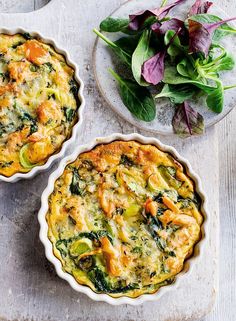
x,y
103,59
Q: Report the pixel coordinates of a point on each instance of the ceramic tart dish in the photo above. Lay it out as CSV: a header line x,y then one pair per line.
x,y
122,217
41,103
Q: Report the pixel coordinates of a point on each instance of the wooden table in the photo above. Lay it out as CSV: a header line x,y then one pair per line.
x,y
219,153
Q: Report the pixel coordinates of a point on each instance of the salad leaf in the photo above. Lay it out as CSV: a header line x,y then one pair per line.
x,y
172,40
172,77
199,7
210,69
200,35
226,63
177,94
113,24
137,20
137,99
122,54
142,53
199,38
153,68
172,24
220,32
215,100
187,122
186,69
128,44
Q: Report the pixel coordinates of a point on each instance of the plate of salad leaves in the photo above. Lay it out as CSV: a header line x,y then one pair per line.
x,y
168,67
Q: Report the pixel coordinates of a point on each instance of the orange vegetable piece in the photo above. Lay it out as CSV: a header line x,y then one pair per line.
x,y
112,257
170,204
151,207
34,52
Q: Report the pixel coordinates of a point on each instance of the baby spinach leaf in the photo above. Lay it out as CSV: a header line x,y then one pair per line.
x,y
69,114
175,48
102,284
125,160
153,225
113,24
76,186
187,122
128,44
215,100
198,7
137,99
177,94
122,54
27,36
141,54
137,20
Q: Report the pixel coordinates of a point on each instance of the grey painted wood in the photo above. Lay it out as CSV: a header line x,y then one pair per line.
x,y
29,288
21,5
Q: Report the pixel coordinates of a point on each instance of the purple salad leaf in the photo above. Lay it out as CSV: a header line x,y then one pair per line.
x,y
187,122
156,27
200,35
211,27
153,68
172,24
199,7
137,20
199,38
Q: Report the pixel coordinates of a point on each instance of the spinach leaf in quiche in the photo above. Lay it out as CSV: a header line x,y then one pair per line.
x,y
77,186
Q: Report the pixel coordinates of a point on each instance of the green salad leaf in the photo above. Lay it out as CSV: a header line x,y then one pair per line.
x,y
137,99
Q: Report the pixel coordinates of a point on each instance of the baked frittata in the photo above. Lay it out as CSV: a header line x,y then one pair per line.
x,y
38,102
123,218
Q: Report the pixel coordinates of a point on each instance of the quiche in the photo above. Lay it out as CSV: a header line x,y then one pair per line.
x,y
123,218
38,102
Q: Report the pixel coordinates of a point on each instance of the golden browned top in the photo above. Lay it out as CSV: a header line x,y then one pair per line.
x,y
38,102
123,218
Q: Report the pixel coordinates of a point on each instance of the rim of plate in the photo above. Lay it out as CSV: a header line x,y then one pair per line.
x,y
43,233
50,41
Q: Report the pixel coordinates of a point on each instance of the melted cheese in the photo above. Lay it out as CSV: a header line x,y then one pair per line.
x,y
124,199
38,102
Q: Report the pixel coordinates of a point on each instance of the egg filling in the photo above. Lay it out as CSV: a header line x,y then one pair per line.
x,y
123,218
38,102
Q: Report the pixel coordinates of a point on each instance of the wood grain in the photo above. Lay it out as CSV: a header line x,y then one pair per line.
x,y
34,292
21,6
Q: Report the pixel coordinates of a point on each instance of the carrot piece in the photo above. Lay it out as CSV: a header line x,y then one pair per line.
x,y
151,207
34,52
